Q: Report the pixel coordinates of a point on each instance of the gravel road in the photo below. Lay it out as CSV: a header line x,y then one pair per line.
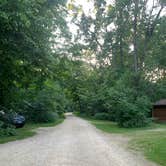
x,y
75,142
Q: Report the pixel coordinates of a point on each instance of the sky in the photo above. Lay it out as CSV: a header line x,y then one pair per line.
x,y
87,6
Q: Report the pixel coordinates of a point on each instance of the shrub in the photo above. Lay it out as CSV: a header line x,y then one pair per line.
x,y
114,97
38,112
124,100
44,107
45,117
7,129
102,116
130,115
128,109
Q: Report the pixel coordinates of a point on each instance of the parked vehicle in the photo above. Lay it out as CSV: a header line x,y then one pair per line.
x,y
18,121
12,118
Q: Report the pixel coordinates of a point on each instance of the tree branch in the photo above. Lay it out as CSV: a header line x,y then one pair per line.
x,y
155,21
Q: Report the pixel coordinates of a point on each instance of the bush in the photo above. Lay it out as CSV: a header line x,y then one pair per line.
x,y
44,107
7,129
102,116
45,117
130,115
38,112
126,107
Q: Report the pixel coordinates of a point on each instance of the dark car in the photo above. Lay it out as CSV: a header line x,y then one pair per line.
x,y
12,118
18,121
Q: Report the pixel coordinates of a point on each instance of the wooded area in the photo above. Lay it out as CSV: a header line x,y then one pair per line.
x,y
112,68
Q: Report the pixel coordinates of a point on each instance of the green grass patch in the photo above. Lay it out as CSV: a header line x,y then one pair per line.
x,y
112,127
153,144
27,131
150,140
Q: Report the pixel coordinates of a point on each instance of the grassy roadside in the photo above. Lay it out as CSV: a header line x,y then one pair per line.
x,y
153,144
150,140
27,131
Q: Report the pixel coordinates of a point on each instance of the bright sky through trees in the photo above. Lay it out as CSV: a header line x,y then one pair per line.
x,y
88,8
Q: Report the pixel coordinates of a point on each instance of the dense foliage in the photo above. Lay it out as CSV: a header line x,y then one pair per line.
x,y
29,84
124,44
112,68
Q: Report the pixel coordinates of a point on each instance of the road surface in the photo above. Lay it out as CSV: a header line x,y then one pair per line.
x,y
75,142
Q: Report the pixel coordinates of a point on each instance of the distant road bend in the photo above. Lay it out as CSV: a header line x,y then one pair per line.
x,y
75,142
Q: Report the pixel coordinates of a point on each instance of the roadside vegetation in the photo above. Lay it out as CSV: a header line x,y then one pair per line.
x,y
31,86
27,131
108,64
126,70
149,140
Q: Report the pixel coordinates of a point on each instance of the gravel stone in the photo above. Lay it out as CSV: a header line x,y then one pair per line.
x,y
75,142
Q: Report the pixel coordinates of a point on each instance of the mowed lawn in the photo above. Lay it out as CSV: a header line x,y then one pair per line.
x,y
150,140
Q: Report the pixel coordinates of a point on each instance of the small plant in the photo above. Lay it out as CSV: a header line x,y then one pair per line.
x,y
7,129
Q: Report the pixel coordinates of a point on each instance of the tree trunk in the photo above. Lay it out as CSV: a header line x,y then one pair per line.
x,y
135,35
120,42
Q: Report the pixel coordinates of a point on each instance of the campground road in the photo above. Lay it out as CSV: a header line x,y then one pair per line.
x,y
75,142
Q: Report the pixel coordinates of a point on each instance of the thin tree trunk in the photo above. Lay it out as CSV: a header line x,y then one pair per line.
x,y
120,42
114,61
135,36
149,34
121,51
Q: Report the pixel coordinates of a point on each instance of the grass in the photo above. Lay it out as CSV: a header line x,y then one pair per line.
x,y
150,140
153,144
27,131
112,127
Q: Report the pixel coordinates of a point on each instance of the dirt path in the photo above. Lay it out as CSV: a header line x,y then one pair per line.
x,y
73,143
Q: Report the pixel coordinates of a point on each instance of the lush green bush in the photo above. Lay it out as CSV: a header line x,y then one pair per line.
x,y
47,105
102,116
39,112
7,129
127,107
124,101
132,115
40,116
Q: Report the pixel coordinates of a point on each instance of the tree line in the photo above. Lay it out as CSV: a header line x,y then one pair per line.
x,y
30,61
127,39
